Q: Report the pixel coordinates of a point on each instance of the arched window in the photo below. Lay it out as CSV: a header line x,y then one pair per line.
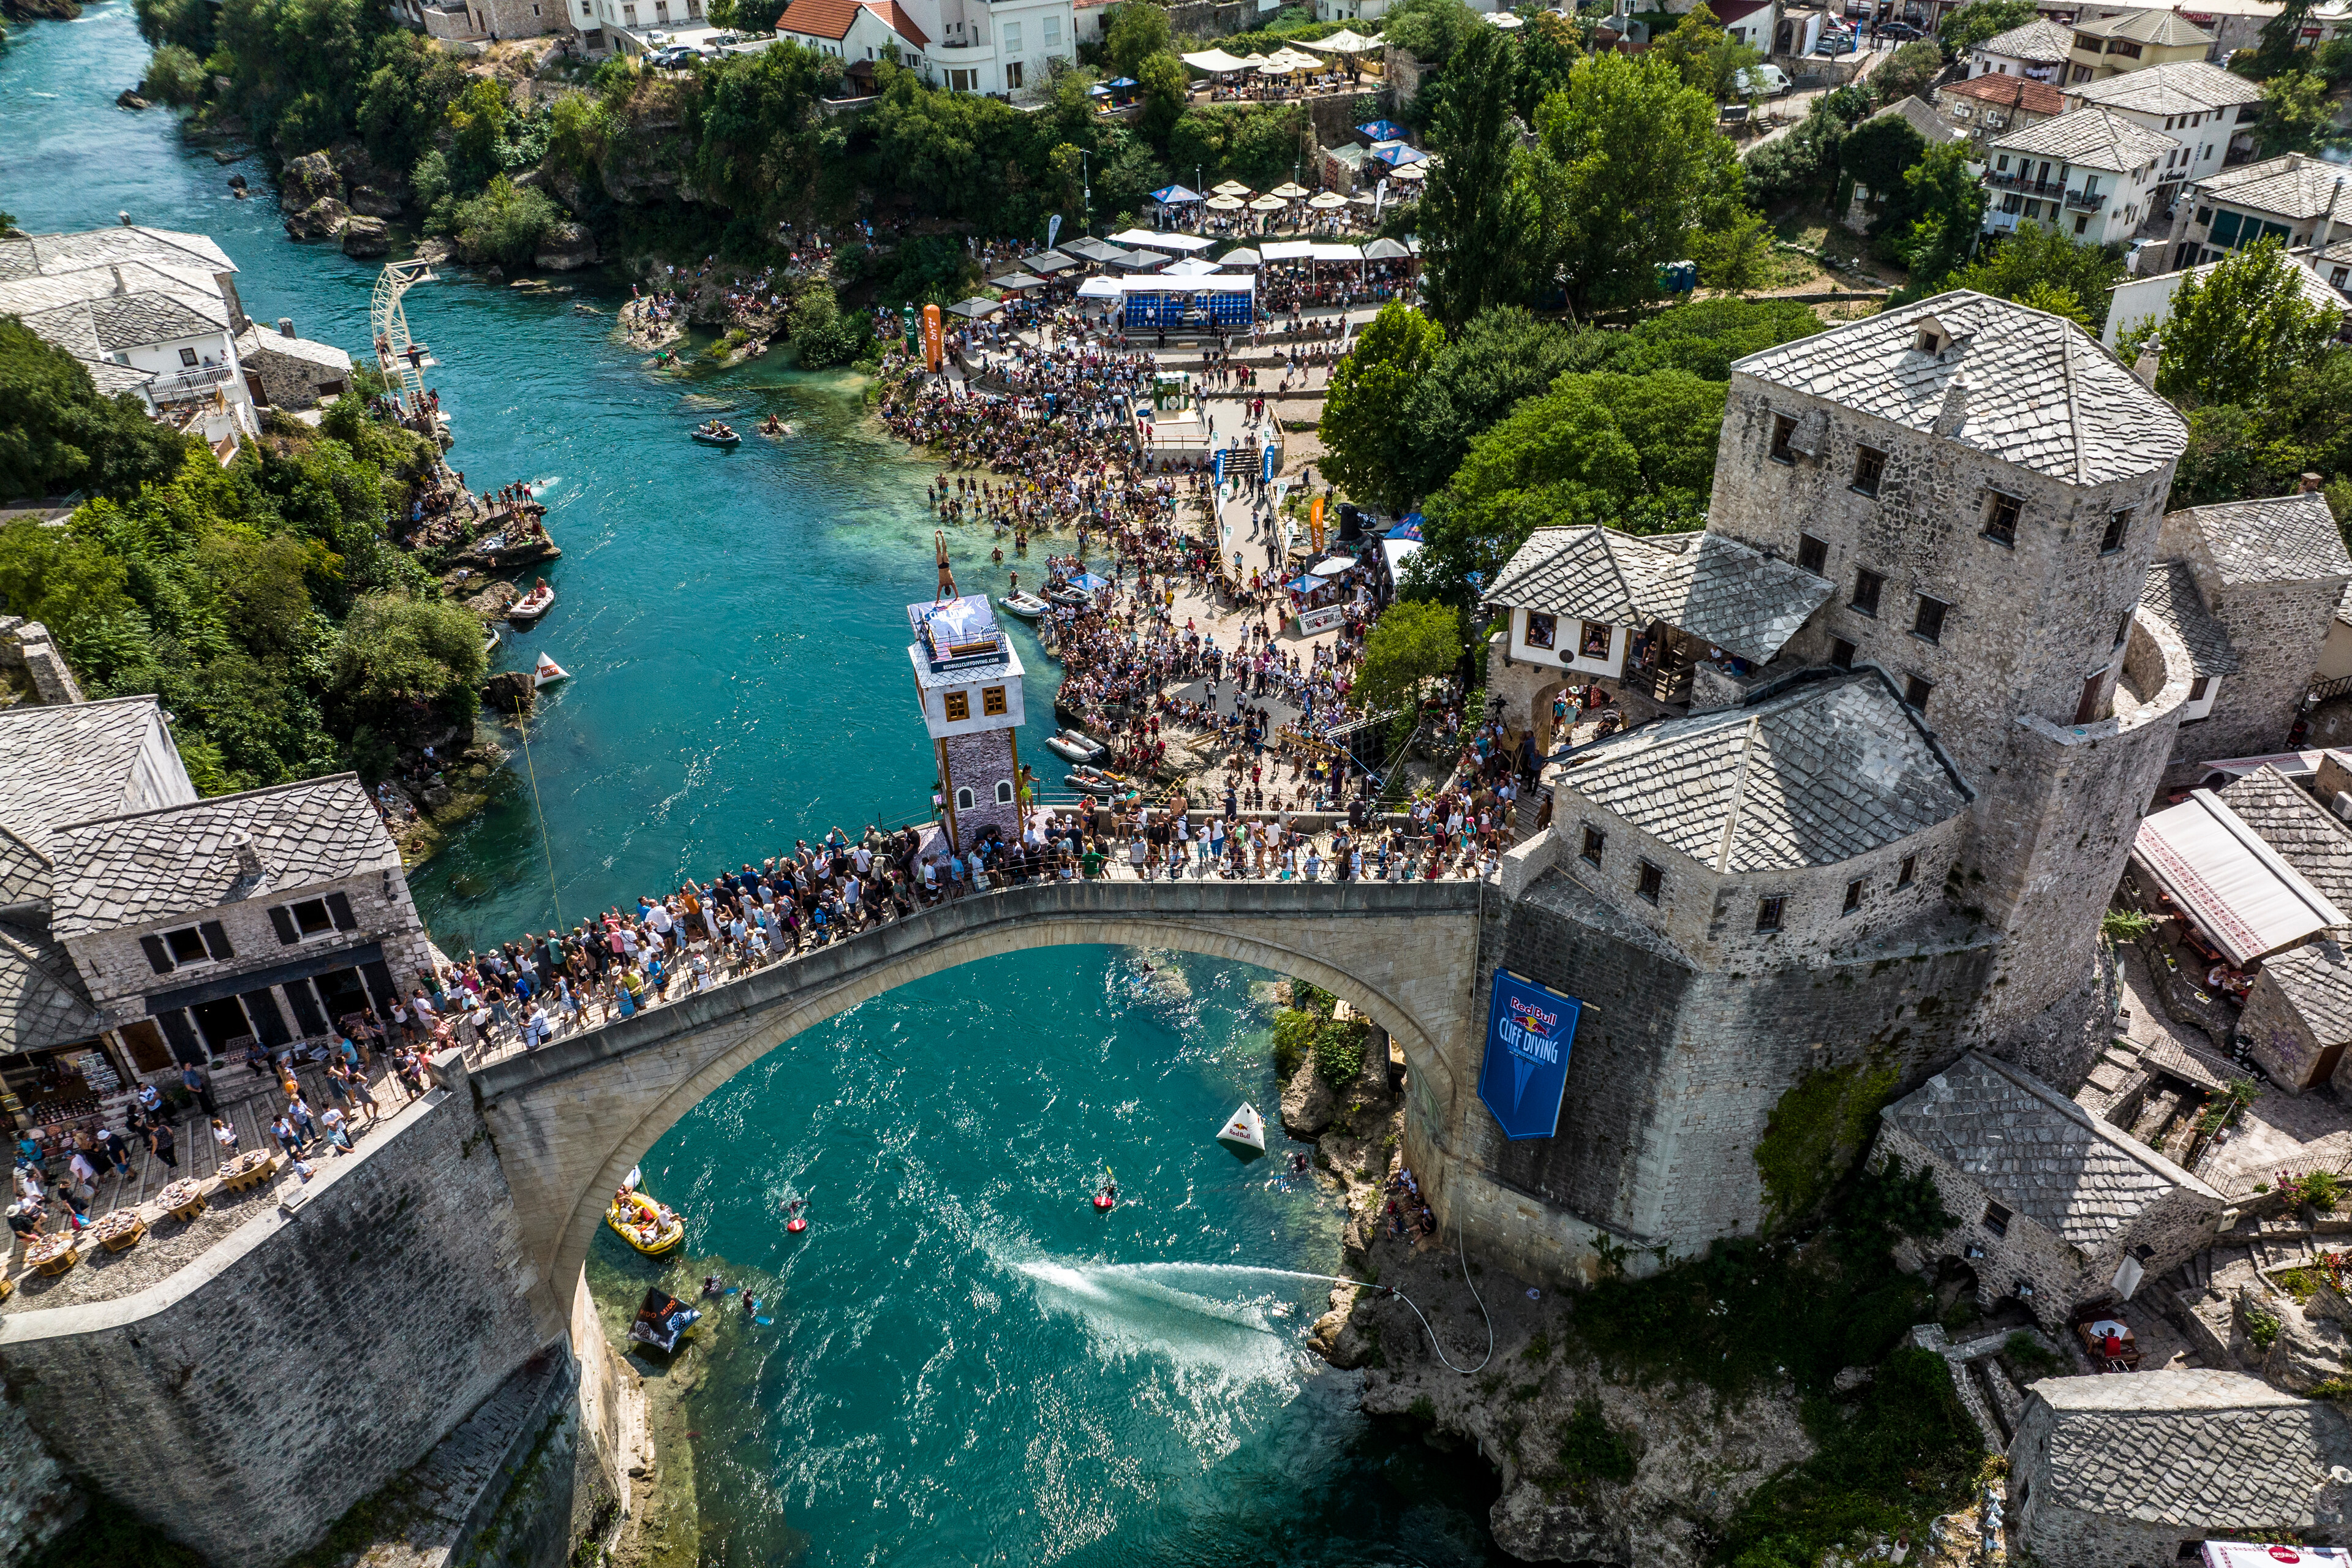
x,y
964,798
1004,791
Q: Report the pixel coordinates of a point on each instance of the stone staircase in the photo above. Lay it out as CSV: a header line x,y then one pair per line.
x,y
2199,1296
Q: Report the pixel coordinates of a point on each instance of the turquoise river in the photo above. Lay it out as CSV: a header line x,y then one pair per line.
x,y
967,1364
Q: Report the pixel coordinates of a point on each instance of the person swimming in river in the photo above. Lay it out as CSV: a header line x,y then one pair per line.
x,y
750,1305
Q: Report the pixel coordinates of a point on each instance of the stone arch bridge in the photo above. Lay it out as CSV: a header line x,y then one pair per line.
x,y
570,1120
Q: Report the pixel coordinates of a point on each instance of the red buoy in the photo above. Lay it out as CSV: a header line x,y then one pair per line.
x,y
797,1224
1103,1200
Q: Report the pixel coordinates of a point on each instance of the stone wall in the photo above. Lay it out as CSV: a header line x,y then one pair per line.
x,y
981,762
25,648
246,1402
36,1502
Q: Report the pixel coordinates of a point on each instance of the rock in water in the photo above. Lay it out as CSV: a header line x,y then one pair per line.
x,y
369,200
567,247
365,236
506,690
129,98
307,181
319,220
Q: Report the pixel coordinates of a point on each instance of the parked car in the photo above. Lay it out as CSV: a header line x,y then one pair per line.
x,y
1901,32
675,55
1835,44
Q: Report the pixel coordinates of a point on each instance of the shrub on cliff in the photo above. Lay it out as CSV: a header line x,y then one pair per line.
x,y
504,224
58,434
823,338
174,76
398,651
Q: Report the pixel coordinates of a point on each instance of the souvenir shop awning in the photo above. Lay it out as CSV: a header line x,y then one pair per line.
x,y
2221,874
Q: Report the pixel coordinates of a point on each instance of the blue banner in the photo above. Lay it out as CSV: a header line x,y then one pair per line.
x,y
1269,463
1218,469
1525,1074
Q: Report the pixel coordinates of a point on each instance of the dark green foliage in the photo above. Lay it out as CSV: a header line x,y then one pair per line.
x,y
1816,1132
1909,1453
1476,216
1879,150
1497,358
187,22
1702,337
1975,22
60,435
2027,1357
2033,256
1592,1451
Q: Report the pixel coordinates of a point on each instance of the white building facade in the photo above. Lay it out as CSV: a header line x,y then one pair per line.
x,y
2091,175
2200,106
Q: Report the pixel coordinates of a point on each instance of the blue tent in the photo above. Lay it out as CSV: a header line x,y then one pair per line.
x,y
1382,130
1304,583
1118,82
1410,528
1087,583
1399,155
1175,196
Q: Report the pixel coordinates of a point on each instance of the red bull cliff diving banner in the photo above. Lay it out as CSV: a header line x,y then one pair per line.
x,y
934,347
1528,1028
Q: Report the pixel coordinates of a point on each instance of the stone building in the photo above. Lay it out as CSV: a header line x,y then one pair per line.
x,y
1985,106
2057,1210
287,371
2297,199
2198,105
2269,573
1887,831
2135,1472
142,926
968,678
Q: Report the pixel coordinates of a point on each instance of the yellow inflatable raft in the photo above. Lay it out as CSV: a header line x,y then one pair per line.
x,y
637,1219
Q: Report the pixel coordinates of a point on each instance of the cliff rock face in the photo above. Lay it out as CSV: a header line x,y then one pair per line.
x,y
319,220
40,10
1678,1463
370,201
568,247
365,236
648,162
307,181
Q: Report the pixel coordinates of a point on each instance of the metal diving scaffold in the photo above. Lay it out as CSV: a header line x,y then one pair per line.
x,y
402,361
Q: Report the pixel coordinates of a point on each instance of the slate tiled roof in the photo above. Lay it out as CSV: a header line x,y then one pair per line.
x,y
2171,597
2199,1450
64,763
1710,586
2090,139
42,1002
24,869
2040,392
2298,828
2316,980
2036,1152
2182,87
2161,29
2283,539
2292,186
134,321
100,247
2041,41
1819,774
1921,116
152,866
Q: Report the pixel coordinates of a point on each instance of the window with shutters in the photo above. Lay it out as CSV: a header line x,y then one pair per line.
x,y
185,945
1869,466
310,917
1929,622
992,700
2000,518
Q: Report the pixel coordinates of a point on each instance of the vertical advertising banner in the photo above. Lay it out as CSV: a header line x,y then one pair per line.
x,y
1525,1074
1269,462
1217,469
1053,230
935,353
907,321
1315,521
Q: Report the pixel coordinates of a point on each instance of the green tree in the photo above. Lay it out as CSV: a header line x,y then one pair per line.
x,y
57,434
185,24
1876,153
1164,87
398,651
2297,116
2281,40
1137,30
1475,215
1701,336
1709,59
1945,204
503,224
1500,356
1414,641
1975,22
1368,449
1803,165
174,76
1549,50
2243,332
1634,452
1431,30
766,136
2034,260
1907,71
1629,166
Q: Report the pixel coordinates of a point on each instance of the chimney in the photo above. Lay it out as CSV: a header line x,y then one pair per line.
x,y
1954,411
123,218
285,326
249,867
118,288
2310,484
2326,219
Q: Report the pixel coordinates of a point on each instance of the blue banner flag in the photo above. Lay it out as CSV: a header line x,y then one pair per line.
x,y
1269,465
1218,468
1525,1074
1053,230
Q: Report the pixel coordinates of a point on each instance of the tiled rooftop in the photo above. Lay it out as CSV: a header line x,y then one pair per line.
x,y
42,1002
2197,1450
1712,587
2292,185
2290,822
24,869
2182,87
2000,91
2161,28
2282,539
130,870
2037,1151
2038,40
2040,392
2316,978
2170,596
1921,116
2090,139
64,763
1820,773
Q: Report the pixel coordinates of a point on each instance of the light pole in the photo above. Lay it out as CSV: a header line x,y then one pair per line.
x,y
1086,194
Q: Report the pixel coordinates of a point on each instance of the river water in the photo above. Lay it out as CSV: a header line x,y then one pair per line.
x,y
966,1363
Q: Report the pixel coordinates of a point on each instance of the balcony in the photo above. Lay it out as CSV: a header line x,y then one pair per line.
x,y
189,383
2086,201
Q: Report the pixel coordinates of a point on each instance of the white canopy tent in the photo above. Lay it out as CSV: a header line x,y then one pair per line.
x,y
2221,874
1325,252
1244,257
1343,42
1286,250
1216,62
1191,267
1103,287
1148,240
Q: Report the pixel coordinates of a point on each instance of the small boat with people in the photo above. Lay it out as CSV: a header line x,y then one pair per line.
x,y
653,1228
547,672
1096,781
1244,1133
1024,604
526,610
713,433
1076,745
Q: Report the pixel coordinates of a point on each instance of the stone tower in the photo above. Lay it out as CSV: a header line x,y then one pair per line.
x,y
968,678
